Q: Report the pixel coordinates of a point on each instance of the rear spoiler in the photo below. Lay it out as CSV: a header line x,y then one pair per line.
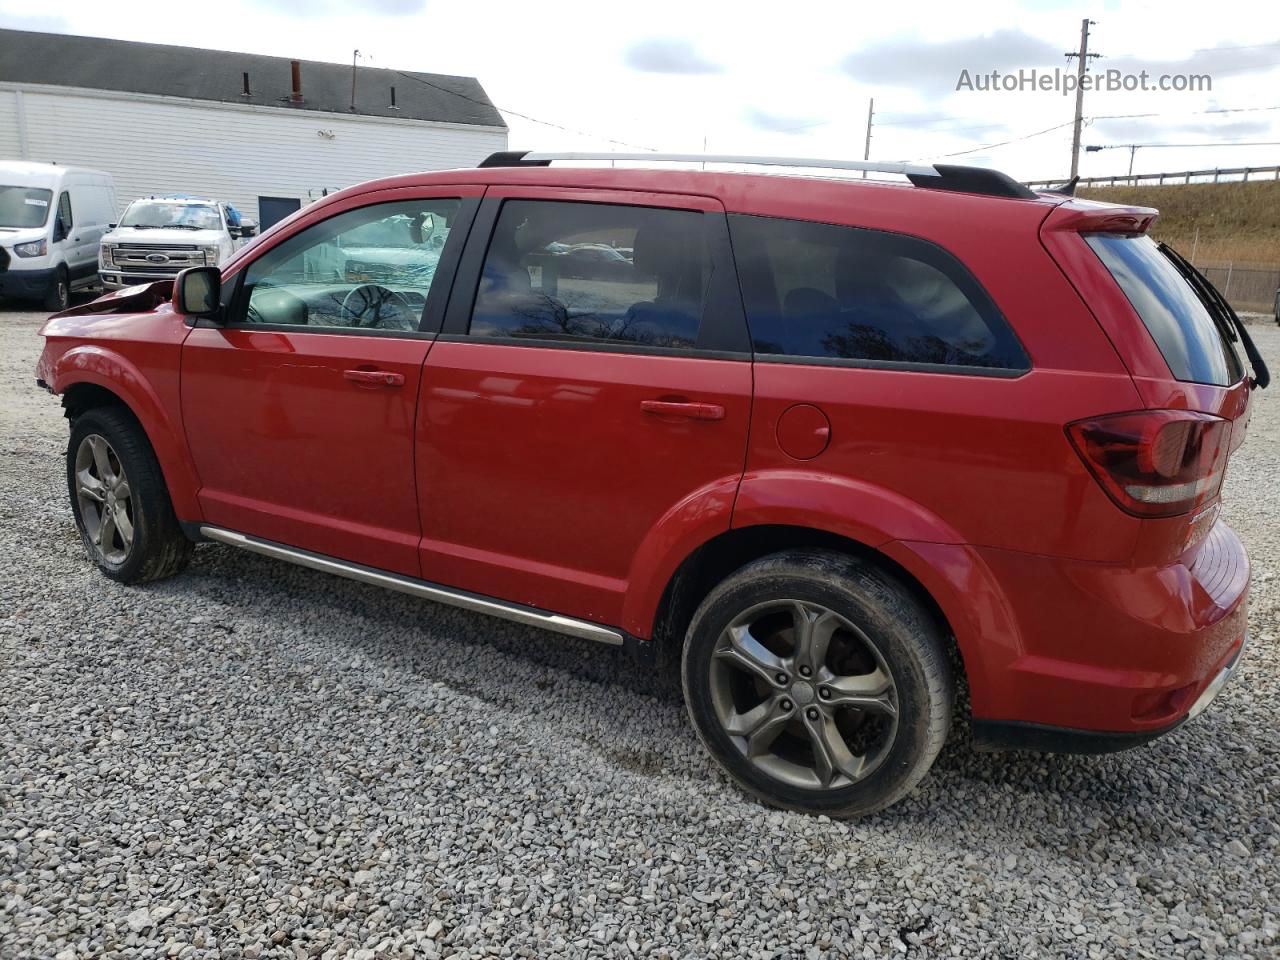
x,y
1086,216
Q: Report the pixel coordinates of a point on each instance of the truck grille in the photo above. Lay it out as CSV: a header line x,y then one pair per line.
x,y
164,261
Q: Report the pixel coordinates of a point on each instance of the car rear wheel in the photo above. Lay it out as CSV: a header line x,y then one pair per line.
x,y
818,682
119,499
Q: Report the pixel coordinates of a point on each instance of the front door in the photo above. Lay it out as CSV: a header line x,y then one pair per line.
x,y
299,408
589,397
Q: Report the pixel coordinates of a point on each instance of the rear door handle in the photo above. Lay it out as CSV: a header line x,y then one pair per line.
x,y
383,378
679,408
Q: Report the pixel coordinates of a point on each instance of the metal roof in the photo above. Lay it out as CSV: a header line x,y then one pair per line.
x,y
151,68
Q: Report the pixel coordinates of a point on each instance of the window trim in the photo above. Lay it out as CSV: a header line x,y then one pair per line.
x,y
906,366
235,301
722,332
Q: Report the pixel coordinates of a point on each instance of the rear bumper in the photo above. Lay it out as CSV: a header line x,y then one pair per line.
x,y
1105,657
26,284
1012,735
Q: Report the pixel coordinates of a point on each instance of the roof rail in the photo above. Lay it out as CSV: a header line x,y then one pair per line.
x,y
939,176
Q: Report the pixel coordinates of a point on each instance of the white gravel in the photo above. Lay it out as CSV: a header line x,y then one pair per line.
x,y
254,760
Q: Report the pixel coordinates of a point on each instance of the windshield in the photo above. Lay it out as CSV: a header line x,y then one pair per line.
x,y
170,214
391,232
1191,340
24,206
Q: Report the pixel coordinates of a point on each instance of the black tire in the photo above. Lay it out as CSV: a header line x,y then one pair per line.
x,y
891,627
158,546
59,296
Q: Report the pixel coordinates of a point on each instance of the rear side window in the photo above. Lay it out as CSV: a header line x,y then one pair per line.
x,y
1181,326
845,293
594,272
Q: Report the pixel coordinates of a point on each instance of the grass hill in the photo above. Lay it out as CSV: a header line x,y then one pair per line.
x,y
1236,222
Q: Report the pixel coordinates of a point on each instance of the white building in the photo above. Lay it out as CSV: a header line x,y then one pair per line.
x,y
164,119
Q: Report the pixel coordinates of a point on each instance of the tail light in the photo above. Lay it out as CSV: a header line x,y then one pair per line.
x,y
1158,463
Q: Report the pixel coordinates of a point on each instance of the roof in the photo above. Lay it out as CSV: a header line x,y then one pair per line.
x,y
217,75
31,173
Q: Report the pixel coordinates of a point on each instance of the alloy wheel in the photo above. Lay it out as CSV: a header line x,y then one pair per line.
x,y
803,694
104,497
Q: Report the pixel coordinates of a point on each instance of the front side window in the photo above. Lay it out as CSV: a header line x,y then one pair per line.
x,y
846,293
367,269
594,273
64,210
24,206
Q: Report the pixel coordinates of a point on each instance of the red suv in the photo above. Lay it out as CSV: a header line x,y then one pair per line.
x,y
843,447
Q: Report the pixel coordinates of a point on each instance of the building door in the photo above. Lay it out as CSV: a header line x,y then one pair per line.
x,y
271,210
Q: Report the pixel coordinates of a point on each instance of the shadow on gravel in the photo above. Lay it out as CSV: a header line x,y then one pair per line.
x,y
433,642
224,572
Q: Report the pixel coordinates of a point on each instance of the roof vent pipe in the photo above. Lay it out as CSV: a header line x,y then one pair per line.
x,y
245,92
295,69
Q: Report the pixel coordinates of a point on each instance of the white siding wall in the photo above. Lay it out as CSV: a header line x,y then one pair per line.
x,y
9,147
232,153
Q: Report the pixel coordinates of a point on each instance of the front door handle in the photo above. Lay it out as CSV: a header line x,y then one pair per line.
x,y
681,408
382,378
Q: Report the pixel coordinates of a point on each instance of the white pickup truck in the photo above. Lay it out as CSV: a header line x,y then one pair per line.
x,y
159,237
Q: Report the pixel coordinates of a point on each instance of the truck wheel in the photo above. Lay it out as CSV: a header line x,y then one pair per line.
x,y
119,499
59,296
818,683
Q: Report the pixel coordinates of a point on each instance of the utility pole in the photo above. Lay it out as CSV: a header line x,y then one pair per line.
x,y
354,55
866,149
1083,56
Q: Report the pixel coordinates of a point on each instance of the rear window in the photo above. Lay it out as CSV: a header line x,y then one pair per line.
x,y
1182,327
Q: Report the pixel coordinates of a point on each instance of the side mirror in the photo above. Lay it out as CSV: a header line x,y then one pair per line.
x,y
112,226
197,291
248,228
59,229
421,228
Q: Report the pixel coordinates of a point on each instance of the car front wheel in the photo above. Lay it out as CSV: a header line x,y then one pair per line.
x,y
59,296
121,505
818,682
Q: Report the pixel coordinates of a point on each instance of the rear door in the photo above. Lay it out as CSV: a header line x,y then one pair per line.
x,y
588,402
299,409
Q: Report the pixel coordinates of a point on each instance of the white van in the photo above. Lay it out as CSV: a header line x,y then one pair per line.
x,y
51,220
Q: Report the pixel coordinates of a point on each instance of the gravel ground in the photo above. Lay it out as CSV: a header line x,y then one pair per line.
x,y
254,760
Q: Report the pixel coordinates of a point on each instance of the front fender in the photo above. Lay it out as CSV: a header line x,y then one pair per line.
x,y
99,365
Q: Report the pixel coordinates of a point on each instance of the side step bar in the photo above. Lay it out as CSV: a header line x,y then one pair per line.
x,y
530,616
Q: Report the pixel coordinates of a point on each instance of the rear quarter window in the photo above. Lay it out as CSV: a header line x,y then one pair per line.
x,y
1192,345
835,293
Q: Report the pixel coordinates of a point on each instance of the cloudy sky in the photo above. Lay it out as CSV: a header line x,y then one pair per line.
x,y
786,77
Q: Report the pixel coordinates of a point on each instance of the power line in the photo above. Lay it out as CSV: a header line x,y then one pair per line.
x,y
1215,143
522,116
1183,113
1003,143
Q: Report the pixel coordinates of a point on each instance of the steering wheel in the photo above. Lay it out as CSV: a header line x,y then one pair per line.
x,y
368,304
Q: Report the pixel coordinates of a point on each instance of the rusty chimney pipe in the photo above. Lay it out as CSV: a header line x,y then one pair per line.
x,y
295,69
